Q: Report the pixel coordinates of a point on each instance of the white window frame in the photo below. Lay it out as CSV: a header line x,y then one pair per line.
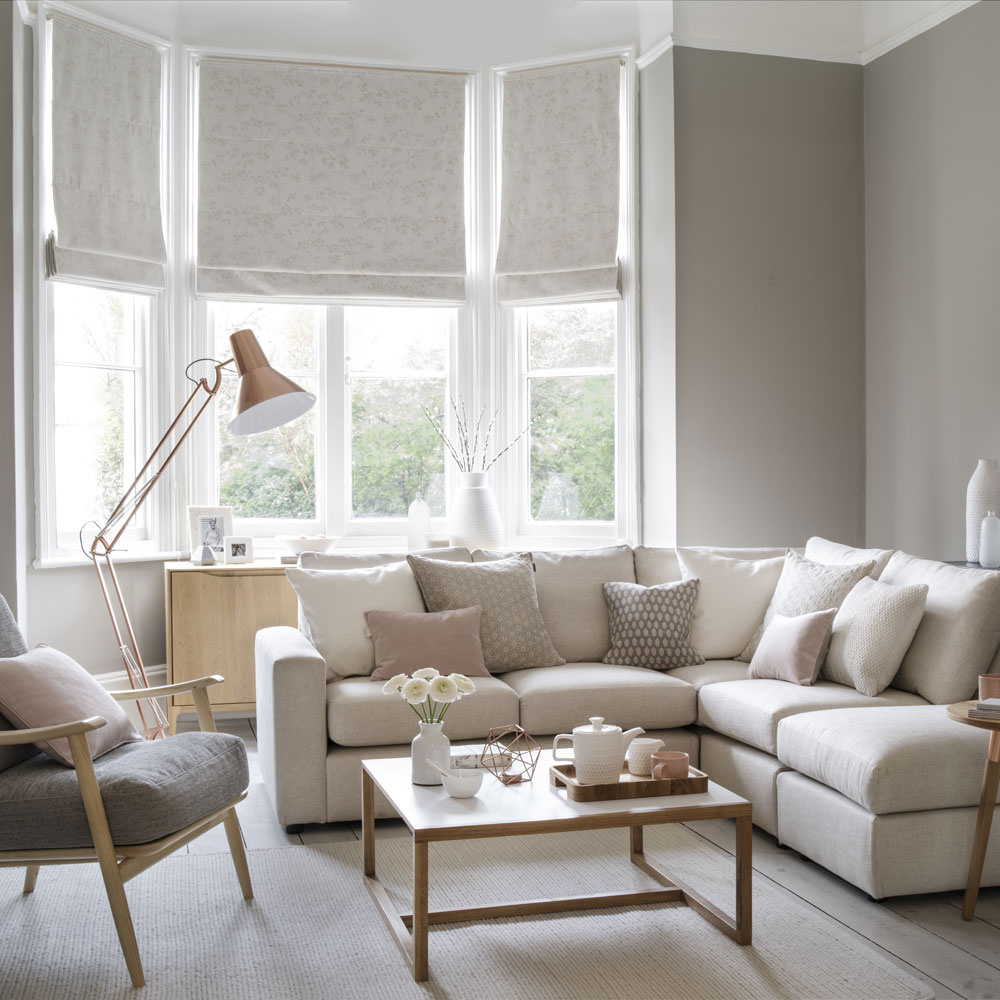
x,y
154,398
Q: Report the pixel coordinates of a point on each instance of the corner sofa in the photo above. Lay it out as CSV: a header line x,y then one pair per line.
x,y
881,790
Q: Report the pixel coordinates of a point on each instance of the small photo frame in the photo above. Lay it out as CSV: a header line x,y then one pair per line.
x,y
209,526
237,549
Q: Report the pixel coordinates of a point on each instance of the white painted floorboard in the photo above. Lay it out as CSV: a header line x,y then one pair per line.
x,y
925,935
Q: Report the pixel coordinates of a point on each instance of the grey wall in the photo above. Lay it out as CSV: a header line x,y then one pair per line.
x,y
932,163
656,300
770,285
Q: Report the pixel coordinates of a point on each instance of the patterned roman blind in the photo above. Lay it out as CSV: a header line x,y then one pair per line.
x,y
105,142
325,181
561,165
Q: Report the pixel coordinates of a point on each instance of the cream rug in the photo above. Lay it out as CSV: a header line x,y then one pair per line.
x,y
313,930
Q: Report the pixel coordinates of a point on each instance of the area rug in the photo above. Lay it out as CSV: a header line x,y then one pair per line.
x,y
313,930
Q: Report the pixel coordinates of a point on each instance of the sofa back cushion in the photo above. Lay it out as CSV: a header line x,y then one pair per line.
x,y
822,550
655,565
365,560
959,632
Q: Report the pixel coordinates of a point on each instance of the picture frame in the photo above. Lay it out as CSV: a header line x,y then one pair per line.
x,y
209,525
237,549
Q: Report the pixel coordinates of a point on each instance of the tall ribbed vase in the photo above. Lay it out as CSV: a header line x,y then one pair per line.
x,y
474,517
982,496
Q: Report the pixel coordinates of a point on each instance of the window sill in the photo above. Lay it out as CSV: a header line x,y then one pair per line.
x,y
120,557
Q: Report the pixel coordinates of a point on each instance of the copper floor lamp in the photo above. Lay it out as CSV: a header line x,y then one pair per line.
x,y
266,399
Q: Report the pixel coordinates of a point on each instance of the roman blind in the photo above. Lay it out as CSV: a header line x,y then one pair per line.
x,y
560,167
105,145
330,181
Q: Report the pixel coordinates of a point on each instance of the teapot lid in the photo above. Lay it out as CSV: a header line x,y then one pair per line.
x,y
596,726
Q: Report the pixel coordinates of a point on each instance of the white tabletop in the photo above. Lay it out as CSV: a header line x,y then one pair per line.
x,y
498,810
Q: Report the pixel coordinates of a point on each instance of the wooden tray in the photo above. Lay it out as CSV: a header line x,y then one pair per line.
x,y
628,785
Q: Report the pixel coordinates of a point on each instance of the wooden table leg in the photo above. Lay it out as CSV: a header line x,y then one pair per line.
x,y
419,911
368,822
636,836
984,820
744,879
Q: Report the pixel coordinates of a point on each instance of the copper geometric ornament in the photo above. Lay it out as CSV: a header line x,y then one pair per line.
x,y
510,754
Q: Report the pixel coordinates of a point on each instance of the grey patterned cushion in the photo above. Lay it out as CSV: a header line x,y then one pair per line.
x,y
806,586
872,632
511,628
650,625
150,789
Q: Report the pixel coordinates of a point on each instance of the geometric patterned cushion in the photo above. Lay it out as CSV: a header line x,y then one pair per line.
x,y
650,625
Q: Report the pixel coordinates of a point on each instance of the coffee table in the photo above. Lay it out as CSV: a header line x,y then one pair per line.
x,y
536,807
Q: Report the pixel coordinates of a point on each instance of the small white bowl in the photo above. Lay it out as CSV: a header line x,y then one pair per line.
x,y
462,782
306,543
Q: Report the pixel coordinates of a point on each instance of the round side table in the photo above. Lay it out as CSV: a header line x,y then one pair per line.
x,y
987,800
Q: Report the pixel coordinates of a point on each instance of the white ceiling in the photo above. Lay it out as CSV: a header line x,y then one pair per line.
x,y
472,33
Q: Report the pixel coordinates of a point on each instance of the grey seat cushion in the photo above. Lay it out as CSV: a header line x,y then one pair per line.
x,y
150,789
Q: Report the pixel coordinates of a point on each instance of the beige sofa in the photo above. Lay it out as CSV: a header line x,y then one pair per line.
x,y
880,790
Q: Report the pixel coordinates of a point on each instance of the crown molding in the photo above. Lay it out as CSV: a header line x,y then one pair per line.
x,y
651,55
918,28
719,45
28,16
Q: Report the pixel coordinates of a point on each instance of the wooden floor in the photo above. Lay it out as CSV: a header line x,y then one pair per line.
x,y
923,934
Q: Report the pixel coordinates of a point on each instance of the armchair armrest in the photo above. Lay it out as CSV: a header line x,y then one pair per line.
x,y
165,690
15,737
291,724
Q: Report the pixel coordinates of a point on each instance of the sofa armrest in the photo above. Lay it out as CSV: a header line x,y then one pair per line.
x,y
291,724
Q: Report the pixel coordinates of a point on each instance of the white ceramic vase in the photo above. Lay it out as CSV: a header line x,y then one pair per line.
x,y
474,517
989,542
429,744
982,496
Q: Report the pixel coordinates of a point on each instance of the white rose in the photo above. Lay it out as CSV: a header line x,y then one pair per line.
x,y
415,690
463,683
425,673
444,689
395,684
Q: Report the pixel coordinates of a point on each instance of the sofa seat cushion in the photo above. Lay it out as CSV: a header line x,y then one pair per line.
x,y
150,789
888,760
710,672
555,699
750,710
360,715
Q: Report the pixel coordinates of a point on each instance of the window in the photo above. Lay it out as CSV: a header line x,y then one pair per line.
x,y
97,407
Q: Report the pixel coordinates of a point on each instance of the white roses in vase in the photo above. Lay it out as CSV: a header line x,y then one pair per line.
x,y
428,692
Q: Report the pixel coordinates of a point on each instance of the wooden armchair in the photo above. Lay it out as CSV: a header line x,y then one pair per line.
x,y
108,810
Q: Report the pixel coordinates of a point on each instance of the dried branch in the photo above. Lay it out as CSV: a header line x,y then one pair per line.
x,y
466,450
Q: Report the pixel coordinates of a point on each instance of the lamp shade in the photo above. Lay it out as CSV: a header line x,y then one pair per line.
x,y
266,399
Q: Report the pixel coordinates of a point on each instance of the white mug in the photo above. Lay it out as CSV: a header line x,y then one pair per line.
x,y
638,754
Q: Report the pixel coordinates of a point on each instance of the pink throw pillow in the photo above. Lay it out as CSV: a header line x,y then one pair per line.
x,y
406,641
793,649
44,687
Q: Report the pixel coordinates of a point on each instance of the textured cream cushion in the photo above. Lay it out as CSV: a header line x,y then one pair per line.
x,y
806,586
872,631
822,550
571,597
732,599
959,632
333,605
556,699
888,759
44,687
359,715
406,641
511,628
750,710
650,625
790,648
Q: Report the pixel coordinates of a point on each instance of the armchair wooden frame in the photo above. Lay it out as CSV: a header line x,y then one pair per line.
x,y
120,863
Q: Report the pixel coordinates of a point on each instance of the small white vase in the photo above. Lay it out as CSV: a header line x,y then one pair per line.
x,y
429,744
474,517
989,542
981,496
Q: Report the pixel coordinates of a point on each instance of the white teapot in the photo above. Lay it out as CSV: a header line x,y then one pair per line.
x,y
598,750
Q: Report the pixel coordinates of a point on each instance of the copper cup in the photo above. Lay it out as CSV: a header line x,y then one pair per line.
x,y
989,686
669,764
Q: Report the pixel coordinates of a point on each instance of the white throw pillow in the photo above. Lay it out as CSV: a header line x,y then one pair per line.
x,y
872,632
332,606
732,599
822,550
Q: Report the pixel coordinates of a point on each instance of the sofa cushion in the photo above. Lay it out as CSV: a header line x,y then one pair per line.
x,y
790,648
959,632
654,564
359,714
344,559
556,699
407,641
732,598
750,710
12,644
872,631
571,597
150,789
806,586
710,672
822,550
888,760
650,625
